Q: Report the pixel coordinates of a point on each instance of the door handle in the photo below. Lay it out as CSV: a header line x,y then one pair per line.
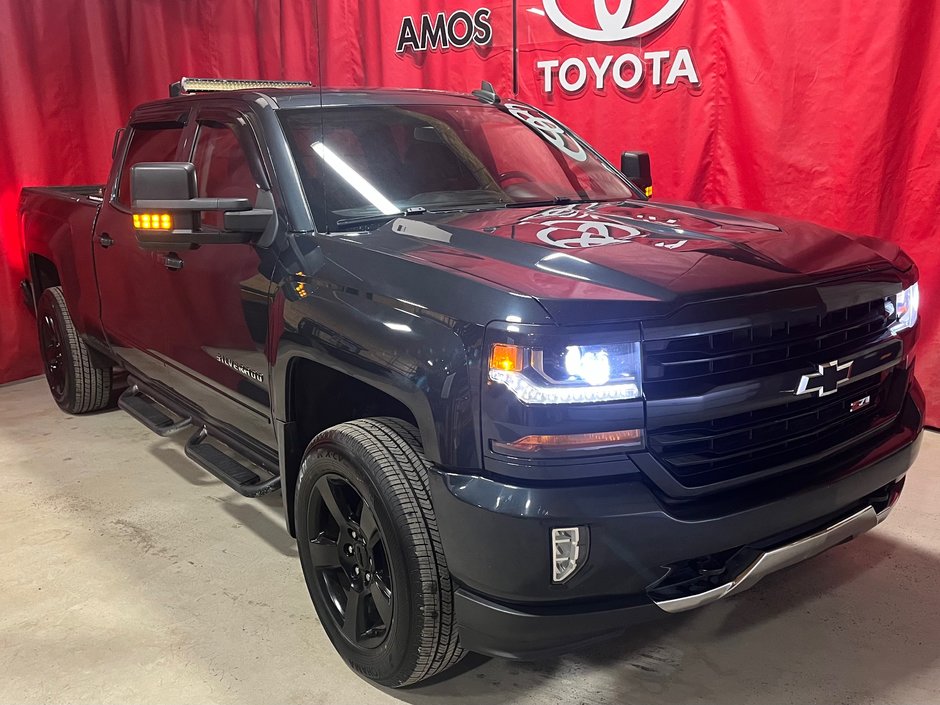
x,y
173,262
105,240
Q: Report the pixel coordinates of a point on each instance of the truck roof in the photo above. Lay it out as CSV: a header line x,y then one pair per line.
x,y
314,97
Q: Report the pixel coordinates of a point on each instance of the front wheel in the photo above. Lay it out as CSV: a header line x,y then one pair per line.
x,y
371,553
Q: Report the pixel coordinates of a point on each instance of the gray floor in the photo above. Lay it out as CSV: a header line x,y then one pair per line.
x,y
129,575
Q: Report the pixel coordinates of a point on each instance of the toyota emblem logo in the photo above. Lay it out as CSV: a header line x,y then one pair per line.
x,y
570,235
612,26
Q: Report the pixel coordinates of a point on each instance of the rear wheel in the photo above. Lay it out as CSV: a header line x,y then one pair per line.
x,y
76,384
371,553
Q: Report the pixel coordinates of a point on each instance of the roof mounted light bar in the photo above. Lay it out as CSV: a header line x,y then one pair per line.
x,y
186,86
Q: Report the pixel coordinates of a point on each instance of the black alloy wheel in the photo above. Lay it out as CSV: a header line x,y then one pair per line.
x,y
371,551
53,356
349,555
79,381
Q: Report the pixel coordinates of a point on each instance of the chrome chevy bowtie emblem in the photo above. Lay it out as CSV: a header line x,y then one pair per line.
x,y
827,380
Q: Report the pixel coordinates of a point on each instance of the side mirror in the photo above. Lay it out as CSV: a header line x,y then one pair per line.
x,y
636,167
167,210
259,219
162,181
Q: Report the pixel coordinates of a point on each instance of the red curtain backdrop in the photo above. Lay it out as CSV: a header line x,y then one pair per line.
x,y
823,111
72,70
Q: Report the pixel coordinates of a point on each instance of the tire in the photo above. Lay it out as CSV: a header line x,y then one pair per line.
x,y
77,386
376,467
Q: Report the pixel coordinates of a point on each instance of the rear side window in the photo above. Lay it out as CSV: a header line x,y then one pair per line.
x,y
147,145
222,168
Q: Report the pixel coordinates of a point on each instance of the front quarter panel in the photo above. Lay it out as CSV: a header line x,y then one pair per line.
x,y
411,330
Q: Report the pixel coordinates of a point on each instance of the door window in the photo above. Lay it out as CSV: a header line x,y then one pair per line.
x,y
222,168
147,145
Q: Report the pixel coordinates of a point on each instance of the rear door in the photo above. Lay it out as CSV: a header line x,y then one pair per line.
x,y
130,301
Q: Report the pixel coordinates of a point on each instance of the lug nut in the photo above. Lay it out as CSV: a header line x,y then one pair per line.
x,y
368,577
356,570
349,549
353,534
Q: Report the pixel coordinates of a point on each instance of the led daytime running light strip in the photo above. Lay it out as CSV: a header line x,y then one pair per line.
x,y
530,393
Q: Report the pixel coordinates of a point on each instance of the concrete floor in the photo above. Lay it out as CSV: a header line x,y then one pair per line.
x,y
129,575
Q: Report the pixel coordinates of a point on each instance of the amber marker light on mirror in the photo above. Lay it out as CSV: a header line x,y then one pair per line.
x,y
153,221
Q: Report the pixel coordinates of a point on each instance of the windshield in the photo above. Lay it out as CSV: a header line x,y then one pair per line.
x,y
363,163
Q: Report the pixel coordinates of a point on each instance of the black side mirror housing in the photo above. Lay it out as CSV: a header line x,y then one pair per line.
x,y
636,167
171,186
167,209
251,221
260,220
162,181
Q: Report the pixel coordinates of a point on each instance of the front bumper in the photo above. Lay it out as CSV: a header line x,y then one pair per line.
x,y
646,555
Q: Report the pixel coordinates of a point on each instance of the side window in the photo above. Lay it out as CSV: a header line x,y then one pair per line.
x,y
222,168
147,145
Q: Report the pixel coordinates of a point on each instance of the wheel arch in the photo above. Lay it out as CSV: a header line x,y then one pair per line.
x,y
43,273
350,395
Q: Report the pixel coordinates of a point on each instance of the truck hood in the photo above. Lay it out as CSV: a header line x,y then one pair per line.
x,y
629,251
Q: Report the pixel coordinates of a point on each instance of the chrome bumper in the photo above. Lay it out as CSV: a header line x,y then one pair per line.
x,y
776,559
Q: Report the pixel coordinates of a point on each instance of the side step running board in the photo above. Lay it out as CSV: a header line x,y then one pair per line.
x,y
231,466
150,413
229,470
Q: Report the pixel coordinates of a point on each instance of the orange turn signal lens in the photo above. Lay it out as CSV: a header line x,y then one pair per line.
x,y
649,191
508,358
153,221
572,442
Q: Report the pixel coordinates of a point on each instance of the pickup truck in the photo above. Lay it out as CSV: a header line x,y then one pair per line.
x,y
512,405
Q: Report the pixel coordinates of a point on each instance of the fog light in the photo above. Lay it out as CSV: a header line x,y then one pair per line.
x,y
569,551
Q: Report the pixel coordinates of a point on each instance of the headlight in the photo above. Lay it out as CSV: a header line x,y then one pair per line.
x,y
906,307
567,373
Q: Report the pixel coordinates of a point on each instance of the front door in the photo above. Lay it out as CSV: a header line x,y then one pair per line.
x,y
215,298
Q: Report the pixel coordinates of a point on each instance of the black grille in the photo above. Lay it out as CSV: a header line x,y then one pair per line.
x,y
785,432
677,366
768,440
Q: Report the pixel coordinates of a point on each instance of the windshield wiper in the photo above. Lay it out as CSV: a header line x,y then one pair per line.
x,y
368,219
557,201
381,217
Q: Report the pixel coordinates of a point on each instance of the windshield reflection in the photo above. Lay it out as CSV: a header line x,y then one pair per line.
x,y
367,163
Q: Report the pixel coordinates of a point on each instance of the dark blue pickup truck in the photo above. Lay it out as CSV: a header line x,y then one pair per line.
x,y
512,404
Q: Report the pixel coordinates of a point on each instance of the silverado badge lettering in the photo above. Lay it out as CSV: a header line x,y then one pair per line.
x,y
240,369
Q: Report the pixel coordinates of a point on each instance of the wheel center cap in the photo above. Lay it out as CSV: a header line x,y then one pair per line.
x,y
362,556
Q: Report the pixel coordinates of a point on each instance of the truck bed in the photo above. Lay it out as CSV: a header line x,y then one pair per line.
x,y
58,227
90,194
